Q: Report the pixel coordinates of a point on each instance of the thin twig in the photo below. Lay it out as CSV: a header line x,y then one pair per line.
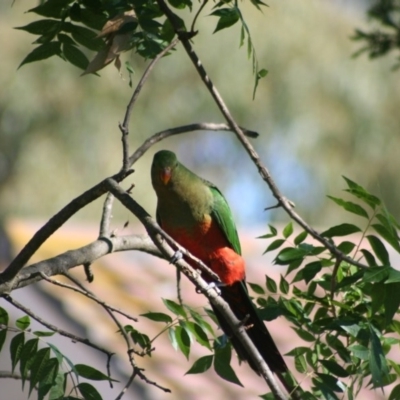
x,y
124,127
9,374
53,328
200,126
85,292
135,369
197,15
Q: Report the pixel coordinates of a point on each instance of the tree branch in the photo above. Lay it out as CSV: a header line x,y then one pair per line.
x,y
72,258
52,225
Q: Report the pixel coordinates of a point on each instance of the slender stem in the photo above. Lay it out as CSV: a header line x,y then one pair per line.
x,y
54,328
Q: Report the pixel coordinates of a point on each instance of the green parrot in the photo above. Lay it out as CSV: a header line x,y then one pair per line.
x,y
195,213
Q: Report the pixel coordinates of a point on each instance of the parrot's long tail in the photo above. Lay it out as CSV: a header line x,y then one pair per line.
x,y
237,297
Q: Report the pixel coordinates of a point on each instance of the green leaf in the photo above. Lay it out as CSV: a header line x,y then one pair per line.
x,y
308,272
27,356
289,254
394,276
75,56
274,245
175,308
92,18
201,365
350,207
392,300
48,378
172,338
395,393
341,230
273,232
86,37
256,288
369,258
52,8
283,285
43,334
139,338
23,322
377,293
379,249
222,365
346,247
3,317
262,73
376,274
358,191
3,336
300,238
181,4
329,382
294,265
201,321
287,230
334,368
199,333
300,363
270,284
57,389
158,317
227,17
337,345
41,27
308,337
390,236
16,345
88,372
88,391
38,367
377,360
42,52
359,351
183,341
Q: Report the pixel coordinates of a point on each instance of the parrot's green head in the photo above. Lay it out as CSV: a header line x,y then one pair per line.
x,y
162,169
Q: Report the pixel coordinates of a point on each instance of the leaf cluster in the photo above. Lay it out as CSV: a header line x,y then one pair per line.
x,y
347,315
42,365
188,326
69,30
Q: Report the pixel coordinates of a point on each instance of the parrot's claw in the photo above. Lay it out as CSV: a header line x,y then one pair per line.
x,y
176,257
214,285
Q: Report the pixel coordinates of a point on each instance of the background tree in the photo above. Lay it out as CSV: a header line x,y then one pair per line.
x,y
334,320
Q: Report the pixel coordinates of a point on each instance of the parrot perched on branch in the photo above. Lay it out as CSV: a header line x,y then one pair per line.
x,y
195,213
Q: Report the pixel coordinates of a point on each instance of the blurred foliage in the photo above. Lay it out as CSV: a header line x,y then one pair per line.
x,y
319,112
385,37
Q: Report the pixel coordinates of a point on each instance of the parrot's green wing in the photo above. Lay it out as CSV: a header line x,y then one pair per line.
x,y
223,215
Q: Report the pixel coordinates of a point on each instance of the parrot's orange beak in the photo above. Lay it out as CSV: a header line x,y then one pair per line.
x,y
165,175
